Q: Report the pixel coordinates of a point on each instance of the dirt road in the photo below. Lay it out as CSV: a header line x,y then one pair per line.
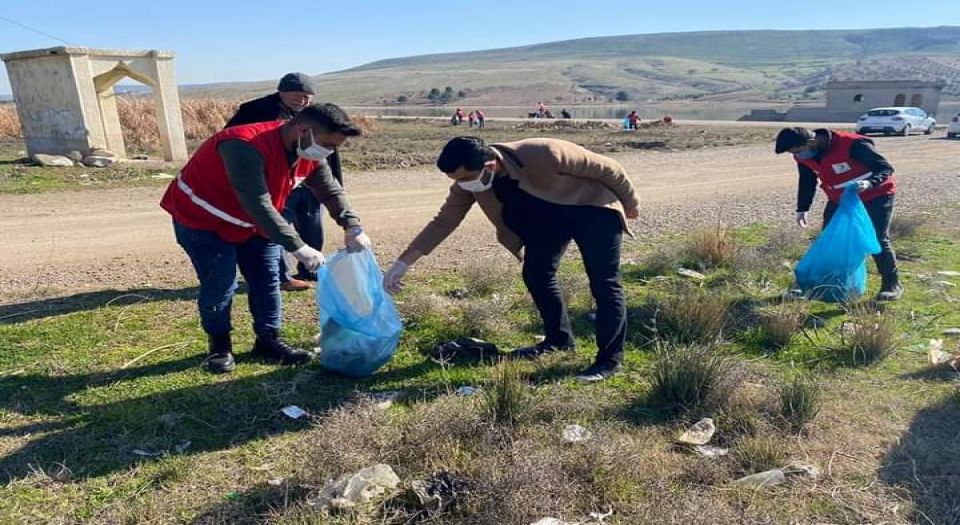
x,y
58,243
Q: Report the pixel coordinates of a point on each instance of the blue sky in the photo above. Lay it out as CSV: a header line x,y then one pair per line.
x,y
219,40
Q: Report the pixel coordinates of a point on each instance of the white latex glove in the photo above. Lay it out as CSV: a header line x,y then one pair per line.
x,y
309,257
392,280
802,218
863,185
355,240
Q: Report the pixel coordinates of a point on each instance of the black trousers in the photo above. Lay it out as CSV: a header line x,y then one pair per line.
x,y
880,211
546,230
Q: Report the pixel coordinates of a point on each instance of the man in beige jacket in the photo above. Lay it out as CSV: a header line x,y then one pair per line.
x,y
540,194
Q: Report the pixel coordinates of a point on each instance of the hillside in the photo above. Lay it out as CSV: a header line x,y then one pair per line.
x,y
743,65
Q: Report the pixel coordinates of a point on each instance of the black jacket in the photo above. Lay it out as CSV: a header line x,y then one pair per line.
x,y
862,151
270,107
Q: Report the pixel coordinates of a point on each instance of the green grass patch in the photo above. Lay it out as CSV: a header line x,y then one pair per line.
x,y
107,416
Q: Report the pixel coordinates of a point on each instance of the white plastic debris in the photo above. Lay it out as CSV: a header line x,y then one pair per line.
x,y
162,176
768,478
699,434
948,273
952,332
575,434
275,482
385,400
352,490
551,521
182,446
601,516
146,454
935,352
804,470
691,274
710,451
466,391
293,412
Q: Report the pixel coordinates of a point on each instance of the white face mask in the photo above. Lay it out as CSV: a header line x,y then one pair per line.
x,y
314,151
477,185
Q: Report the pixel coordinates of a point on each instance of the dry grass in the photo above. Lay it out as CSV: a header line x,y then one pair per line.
x,y
508,398
869,335
799,401
9,121
484,277
757,454
201,118
690,316
906,226
779,324
485,318
691,378
712,248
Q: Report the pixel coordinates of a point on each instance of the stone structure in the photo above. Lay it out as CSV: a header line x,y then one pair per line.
x,y
66,101
847,100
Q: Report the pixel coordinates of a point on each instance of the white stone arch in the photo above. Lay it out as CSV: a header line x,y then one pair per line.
x,y
65,98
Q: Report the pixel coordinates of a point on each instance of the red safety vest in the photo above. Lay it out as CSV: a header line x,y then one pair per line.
x,y
203,198
836,169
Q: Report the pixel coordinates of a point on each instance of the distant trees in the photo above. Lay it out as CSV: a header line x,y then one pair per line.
x,y
402,99
448,94
622,96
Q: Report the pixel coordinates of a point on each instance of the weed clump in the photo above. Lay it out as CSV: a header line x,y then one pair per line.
x,y
691,378
799,401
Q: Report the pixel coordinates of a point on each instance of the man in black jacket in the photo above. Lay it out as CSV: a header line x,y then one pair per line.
x,y
294,92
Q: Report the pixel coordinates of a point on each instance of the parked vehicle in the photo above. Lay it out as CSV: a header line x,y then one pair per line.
x,y
953,128
901,121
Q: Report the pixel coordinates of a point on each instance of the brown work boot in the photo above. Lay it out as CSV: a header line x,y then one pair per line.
x,y
294,285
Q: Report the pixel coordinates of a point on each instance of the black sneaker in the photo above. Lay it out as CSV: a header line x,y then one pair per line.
x,y
220,357
890,293
596,373
539,349
274,348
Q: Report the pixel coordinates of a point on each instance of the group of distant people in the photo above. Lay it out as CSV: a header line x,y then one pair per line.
x,y
476,118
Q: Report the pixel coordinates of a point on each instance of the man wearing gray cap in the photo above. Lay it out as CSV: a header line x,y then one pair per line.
x,y
294,92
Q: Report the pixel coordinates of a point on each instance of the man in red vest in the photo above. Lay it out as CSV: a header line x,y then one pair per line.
x,y
839,159
225,206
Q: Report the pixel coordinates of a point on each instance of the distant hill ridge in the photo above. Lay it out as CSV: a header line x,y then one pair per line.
x,y
730,65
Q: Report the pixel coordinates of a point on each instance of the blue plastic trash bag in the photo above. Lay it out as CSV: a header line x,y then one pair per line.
x,y
359,324
834,269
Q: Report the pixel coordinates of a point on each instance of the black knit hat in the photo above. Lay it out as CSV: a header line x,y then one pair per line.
x,y
296,82
790,138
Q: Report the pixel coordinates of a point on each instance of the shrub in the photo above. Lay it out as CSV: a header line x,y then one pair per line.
x,y
869,335
688,378
799,401
484,277
690,316
778,325
905,226
711,248
508,398
757,454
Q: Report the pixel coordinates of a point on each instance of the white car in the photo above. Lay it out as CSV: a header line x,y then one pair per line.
x,y
901,121
953,128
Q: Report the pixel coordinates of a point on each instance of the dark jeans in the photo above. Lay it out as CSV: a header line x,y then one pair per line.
x,y
305,213
880,211
216,262
546,230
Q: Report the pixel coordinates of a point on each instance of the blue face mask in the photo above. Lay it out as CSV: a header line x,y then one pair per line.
x,y
806,154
